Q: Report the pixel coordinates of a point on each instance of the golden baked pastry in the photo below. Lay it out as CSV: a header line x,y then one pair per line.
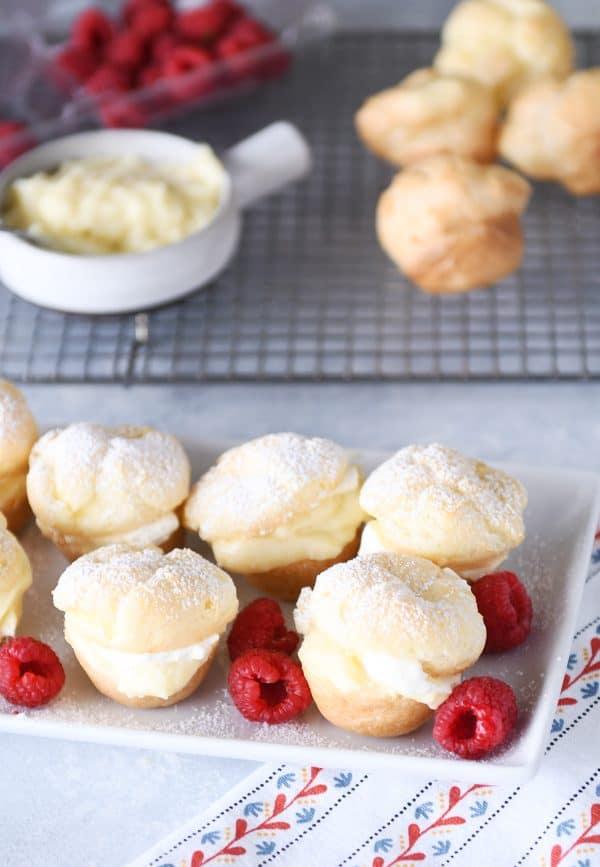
x,y
429,113
386,638
505,43
18,432
279,510
143,624
431,501
552,131
452,225
90,486
15,578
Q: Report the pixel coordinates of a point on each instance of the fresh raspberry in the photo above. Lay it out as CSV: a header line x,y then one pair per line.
x,y
126,50
132,7
92,30
250,32
261,625
150,20
206,23
239,49
268,687
108,79
30,672
191,72
150,74
75,62
122,112
163,45
477,717
506,608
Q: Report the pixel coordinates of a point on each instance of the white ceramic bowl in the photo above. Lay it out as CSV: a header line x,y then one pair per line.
x,y
257,166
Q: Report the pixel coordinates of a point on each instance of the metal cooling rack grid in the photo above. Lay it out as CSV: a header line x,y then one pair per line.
x,y
310,296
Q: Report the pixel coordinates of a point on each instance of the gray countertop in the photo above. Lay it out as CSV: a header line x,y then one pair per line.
x,y
72,804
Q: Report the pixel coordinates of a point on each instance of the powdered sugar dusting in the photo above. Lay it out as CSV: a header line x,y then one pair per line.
x,y
263,483
18,430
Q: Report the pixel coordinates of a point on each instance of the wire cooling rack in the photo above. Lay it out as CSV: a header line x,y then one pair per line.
x,y
310,296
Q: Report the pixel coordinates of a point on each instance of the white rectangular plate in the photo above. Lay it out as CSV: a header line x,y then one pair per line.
x,y
561,520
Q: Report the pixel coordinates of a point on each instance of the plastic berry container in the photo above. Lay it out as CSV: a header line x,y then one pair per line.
x,y
51,83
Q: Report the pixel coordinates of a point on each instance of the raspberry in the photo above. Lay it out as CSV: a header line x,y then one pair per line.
x,y
126,50
163,45
206,23
261,625
92,30
122,111
476,718
132,7
268,687
150,20
76,62
30,672
107,79
506,608
195,69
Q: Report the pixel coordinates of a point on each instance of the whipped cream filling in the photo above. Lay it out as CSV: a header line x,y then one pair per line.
x,y
319,534
394,676
137,675
10,614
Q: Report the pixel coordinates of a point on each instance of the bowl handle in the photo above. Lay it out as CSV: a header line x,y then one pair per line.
x,y
266,161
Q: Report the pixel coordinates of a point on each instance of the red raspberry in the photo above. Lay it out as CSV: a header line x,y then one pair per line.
x,y
131,7
476,718
30,672
163,46
261,625
268,687
126,50
122,111
192,72
108,79
150,20
506,608
76,62
208,22
92,30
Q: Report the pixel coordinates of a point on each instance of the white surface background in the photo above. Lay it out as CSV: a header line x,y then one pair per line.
x,y
78,805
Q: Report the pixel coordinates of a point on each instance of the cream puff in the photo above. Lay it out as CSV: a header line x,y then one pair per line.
x,y
452,225
279,510
15,578
386,637
432,501
552,131
504,44
18,432
430,113
90,486
143,624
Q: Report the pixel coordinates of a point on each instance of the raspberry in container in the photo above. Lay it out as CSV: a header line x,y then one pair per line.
x,y
135,63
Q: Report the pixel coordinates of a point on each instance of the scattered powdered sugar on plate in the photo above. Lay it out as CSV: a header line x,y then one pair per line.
x,y
208,720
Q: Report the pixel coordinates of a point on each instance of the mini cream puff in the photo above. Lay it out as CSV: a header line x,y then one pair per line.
x,y
504,44
431,501
279,510
18,432
429,113
90,486
452,225
386,638
143,624
15,578
552,132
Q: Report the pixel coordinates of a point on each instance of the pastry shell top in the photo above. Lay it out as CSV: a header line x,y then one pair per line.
x,y
93,480
18,430
439,504
429,113
505,43
140,600
401,606
552,131
264,483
